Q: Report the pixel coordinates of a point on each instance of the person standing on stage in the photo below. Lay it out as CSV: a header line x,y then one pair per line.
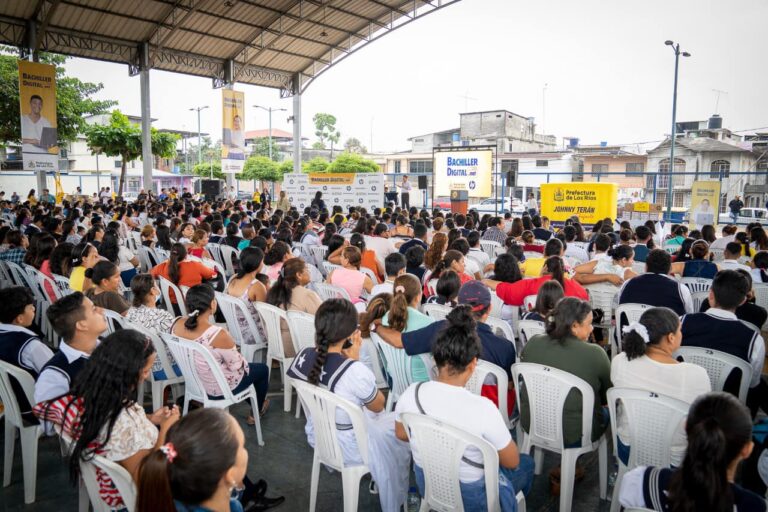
x,y
405,193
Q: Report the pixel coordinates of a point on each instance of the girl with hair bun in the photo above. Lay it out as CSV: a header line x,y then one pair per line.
x,y
699,264
333,363
647,362
239,373
456,351
719,430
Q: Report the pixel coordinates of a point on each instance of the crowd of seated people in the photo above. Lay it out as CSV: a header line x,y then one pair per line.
x,y
389,262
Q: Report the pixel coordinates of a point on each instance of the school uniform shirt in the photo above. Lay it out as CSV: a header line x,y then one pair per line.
x,y
385,287
577,253
496,350
413,242
471,267
58,373
21,347
641,252
478,255
721,242
747,312
732,265
658,290
542,234
718,329
459,407
647,487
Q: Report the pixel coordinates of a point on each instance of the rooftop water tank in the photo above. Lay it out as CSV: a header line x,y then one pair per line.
x,y
715,122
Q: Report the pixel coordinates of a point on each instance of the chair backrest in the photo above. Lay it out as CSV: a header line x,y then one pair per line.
x,y
652,421
498,251
761,294
547,388
120,477
214,250
529,302
270,319
63,284
165,359
328,291
8,373
185,352
147,259
230,306
497,305
625,315
697,284
440,447
531,254
166,287
42,280
698,299
227,256
328,267
321,406
501,328
319,252
6,278
719,366
302,328
483,370
115,321
368,272
529,329
489,246
436,311
601,296
397,364
717,254
315,276
638,267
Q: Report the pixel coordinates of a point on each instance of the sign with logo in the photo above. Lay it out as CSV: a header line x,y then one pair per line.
x,y
590,202
705,198
345,190
39,136
233,131
463,170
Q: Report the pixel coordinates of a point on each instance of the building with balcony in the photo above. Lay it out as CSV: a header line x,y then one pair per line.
x,y
615,164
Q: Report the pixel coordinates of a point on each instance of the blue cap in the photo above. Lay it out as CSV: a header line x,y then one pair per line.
x,y
476,294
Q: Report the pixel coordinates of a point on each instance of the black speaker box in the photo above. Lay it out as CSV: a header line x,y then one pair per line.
x,y
422,182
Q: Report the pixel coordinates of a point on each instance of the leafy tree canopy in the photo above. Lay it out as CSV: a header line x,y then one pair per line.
x,y
325,129
74,98
261,168
204,170
260,147
353,145
316,165
352,163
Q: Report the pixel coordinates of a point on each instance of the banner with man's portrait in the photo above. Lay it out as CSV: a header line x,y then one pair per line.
x,y
37,95
233,134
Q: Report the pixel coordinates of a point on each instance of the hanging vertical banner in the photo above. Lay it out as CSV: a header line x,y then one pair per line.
x,y
37,95
233,136
705,199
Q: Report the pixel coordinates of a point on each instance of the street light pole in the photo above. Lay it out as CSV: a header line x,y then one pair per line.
x,y
671,168
199,143
270,110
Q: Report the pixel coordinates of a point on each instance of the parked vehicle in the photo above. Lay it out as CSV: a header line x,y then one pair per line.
x,y
746,216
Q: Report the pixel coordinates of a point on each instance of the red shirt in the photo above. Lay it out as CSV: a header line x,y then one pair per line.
x,y
513,294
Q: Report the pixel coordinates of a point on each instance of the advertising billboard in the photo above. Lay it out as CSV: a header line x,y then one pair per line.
x,y
37,96
589,201
363,189
463,170
233,132
705,197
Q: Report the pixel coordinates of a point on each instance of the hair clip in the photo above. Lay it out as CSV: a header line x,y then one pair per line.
x,y
400,289
169,451
194,313
639,328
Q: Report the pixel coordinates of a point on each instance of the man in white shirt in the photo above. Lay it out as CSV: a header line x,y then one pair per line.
x,y
405,193
232,194
731,255
729,235
532,205
394,265
79,323
32,125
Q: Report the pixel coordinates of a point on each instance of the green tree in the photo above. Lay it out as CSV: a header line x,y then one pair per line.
x,y
122,138
74,98
316,165
260,147
325,129
286,167
353,145
318,145
261,168
352,163
204,170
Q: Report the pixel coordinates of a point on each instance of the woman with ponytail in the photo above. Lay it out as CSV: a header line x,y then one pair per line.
x,y
719,430
181,271
698,265
276,257
202,462
246,286
436,249
647,362
451,260
334,364
456,351
514,294
760,264
84,257
239,373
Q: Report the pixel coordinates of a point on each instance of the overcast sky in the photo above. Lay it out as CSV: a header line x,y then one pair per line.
x,y
608,73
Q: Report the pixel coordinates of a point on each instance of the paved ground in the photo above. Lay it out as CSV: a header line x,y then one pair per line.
x,y
285,462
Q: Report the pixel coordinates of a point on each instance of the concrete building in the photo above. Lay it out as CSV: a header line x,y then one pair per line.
x,y
615,164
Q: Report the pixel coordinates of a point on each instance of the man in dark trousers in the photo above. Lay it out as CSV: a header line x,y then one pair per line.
x,y
405,193
735,206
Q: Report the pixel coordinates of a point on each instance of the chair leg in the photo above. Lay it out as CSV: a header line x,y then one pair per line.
x,y
313,483
257,419
602,452
186,405
351,489
158,388
617,487
567,477
10,441
29,451
390,401
538,459
520,502
287,388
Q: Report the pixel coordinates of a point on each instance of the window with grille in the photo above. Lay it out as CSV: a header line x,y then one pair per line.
x,y
663,180
720,168
634,169
598,169
420,166
397,166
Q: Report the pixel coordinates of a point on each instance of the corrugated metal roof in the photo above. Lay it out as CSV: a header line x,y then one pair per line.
x,y
273,43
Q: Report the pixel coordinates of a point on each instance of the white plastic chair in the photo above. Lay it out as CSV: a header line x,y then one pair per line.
x,y
697,284
652,421
147,259
368,272
501,328
63,284
717,254
227,255
119,476
13,421
441,447
315,276
489,246
321,406
302,328
625,315
698,299
328,267
186,353
230,306
215,251
436,311
497,305
547,388
398,365
532,255
498,251
719,366
271,319
476,380
529,302
601,296
761,296
529,329
638,267
328,291
165,288
319,252
6,279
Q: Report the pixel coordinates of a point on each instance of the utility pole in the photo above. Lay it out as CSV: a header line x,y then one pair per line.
x,y
270,110
676,49
199,139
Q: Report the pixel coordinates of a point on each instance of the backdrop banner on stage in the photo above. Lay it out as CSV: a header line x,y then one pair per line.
x,y
345,190
37,97
463,170
233,132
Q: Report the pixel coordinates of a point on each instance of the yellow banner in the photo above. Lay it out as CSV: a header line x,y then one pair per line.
x,y
641,206
332,179
37,97
233,133
589,201
705,198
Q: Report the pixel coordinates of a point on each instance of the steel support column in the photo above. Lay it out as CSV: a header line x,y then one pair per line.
x,y
146,120
297,123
